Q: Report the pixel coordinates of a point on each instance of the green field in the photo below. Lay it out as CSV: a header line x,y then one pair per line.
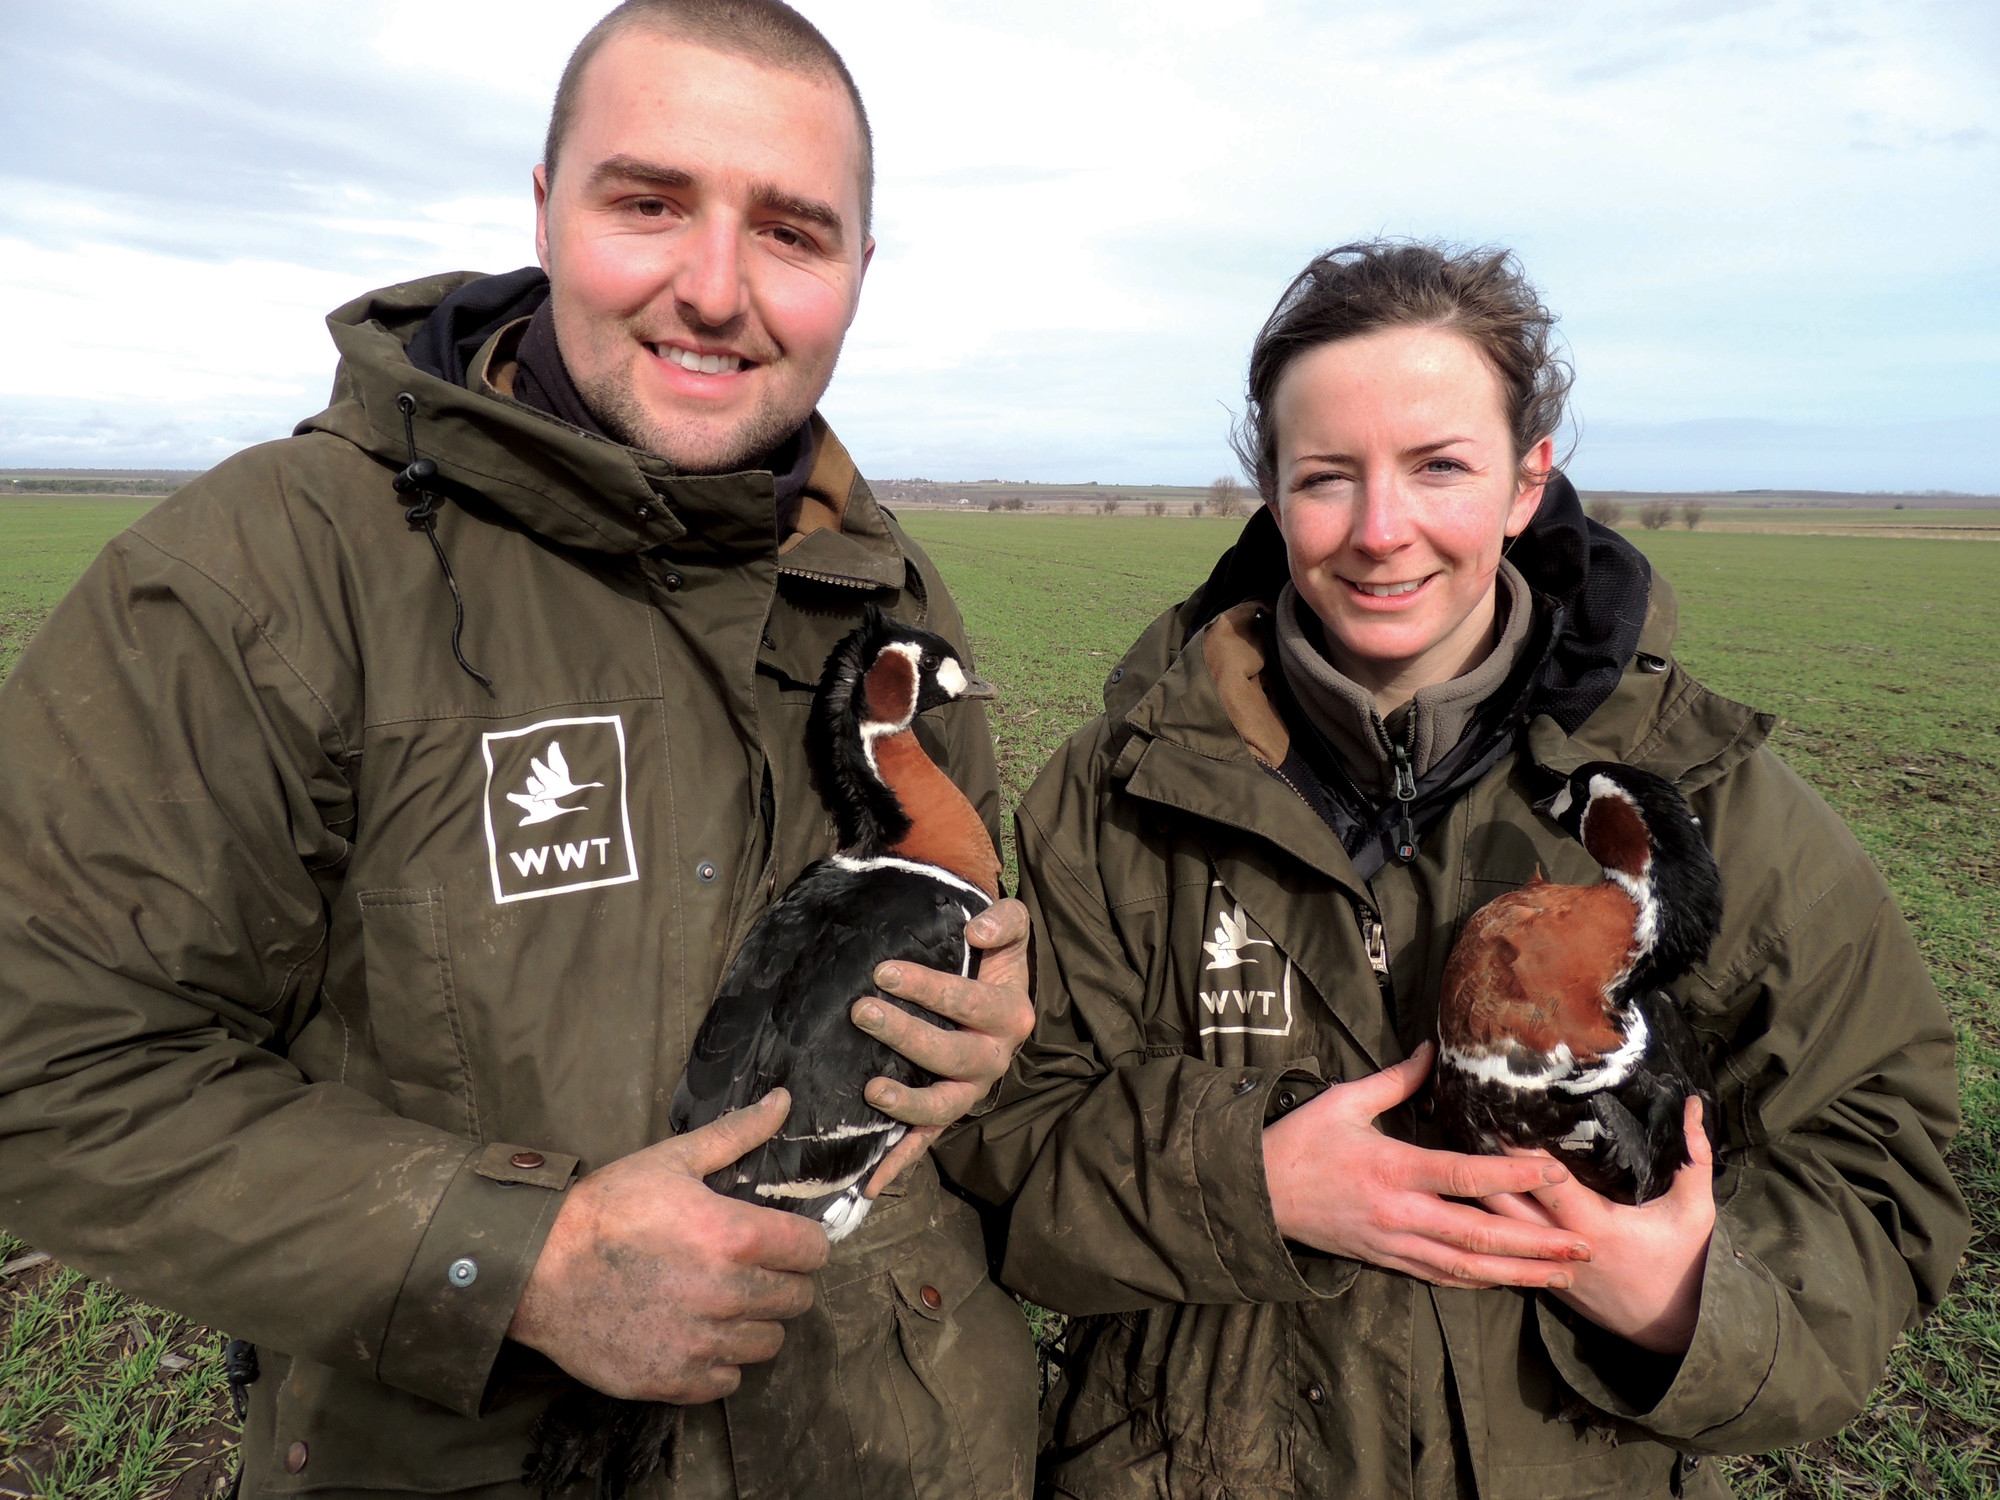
x,y
1877,653
44,543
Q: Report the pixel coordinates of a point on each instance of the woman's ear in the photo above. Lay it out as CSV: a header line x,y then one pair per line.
x,y
1536,465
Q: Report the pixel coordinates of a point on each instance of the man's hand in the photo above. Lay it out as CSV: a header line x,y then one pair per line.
x,y
652,1288
1340,1185
994,1014
1645,1283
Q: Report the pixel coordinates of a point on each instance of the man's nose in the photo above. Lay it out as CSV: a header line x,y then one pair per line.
x,y
709,282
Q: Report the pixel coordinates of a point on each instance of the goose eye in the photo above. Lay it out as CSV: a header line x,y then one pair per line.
x,y
931,661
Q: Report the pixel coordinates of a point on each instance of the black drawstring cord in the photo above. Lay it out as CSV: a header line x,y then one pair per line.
x,y
422,516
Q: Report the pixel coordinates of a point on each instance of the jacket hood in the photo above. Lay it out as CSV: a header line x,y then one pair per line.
x,y
442,339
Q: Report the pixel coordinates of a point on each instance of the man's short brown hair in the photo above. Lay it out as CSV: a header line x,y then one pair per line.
x,y
767,32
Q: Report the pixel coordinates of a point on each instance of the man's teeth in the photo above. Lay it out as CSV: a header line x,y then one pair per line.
x,y
701,364
1390,590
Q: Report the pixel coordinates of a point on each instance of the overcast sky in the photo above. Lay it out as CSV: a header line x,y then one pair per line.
x,y
1769,226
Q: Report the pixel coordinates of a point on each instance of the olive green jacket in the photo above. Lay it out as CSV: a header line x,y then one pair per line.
x,y
320,976
1207,958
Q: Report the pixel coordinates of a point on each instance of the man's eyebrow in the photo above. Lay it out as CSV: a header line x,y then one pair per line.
x,y
769,196
622,168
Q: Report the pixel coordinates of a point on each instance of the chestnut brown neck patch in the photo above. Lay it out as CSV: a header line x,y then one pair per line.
x,y
1616,836
890,688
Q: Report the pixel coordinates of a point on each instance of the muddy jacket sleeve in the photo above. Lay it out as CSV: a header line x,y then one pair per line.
x,y
1837,1223
175,810
1155,1163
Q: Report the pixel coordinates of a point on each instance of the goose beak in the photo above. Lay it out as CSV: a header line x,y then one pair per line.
x,y
978,687
1553,807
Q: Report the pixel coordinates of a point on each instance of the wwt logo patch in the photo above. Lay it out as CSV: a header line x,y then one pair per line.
x,y
1240,995
557,817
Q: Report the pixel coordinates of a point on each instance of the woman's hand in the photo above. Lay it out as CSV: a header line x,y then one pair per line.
x,y
1340,1185
1645,1282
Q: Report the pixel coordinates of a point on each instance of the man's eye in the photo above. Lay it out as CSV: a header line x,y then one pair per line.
x,y
652,208
784,234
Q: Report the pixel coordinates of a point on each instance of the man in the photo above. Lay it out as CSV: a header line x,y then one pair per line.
x,y
366,889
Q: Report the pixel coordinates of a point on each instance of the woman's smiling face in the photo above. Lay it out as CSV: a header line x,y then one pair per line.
x,y
1398,486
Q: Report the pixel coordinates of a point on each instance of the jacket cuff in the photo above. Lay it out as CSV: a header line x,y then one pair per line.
x,y
1734,1349
462,1287
1236,1197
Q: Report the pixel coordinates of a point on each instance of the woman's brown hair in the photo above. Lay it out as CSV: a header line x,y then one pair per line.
x,y
1481,295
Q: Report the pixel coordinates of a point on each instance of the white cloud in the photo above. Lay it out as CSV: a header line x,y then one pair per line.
x,y
1776,212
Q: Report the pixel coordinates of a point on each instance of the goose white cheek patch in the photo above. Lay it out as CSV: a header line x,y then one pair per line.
x,y
951,677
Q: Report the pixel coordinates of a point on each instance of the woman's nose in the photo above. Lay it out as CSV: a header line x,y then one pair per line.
x,y
1382,523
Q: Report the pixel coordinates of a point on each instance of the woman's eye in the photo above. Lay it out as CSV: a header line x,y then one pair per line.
x,y
1445,466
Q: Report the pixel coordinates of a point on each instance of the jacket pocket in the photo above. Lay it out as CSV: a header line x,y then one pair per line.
x,y
312,1429
413,1009
912,1376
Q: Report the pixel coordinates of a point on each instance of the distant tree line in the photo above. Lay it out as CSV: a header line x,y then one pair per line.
x,y
1653,515
88,486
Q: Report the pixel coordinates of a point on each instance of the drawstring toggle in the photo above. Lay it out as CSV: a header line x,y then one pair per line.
x,y
415,478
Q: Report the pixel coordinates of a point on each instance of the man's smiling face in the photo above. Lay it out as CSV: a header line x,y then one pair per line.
x,y
703,238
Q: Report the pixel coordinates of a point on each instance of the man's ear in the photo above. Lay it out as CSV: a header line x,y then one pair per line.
x,y
542,215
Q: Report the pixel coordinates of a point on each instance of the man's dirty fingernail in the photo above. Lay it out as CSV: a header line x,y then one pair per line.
x,y
889,975
1559,1282
870,1014
1553,1174
1579,1252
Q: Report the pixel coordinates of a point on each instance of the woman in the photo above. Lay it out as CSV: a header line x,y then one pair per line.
x,y
1246,877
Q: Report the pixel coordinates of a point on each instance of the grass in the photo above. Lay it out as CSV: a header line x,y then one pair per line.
x,y
1877,653
47,542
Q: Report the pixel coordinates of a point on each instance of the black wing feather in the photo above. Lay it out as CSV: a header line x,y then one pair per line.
x,y
780,1020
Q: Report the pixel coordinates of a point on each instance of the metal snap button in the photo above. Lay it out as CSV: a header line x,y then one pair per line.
x,y
1244,1085
706,872
462,1272
295,1458
1287,1099
673,582
1650,663
1316,1393
527,1161
644,512
932,1298
1117,674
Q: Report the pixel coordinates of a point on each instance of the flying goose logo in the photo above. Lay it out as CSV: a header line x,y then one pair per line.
x,y
548,783
1232,936
568,827
1258,997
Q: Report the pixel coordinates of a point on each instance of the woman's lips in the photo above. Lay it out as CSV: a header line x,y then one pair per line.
x,y
1388,594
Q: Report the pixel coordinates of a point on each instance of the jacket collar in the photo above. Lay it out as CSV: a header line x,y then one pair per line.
x,y
572,487
1205,729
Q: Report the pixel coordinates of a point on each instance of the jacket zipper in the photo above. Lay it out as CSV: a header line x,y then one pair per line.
x,y
1406,796
1376,941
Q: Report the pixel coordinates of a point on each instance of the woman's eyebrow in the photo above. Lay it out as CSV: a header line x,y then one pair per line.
x,y
1348,458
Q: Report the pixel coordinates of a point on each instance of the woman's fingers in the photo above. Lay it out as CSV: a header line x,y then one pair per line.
x,y
1378,1093
1490,1235
1449,1265
1699,1151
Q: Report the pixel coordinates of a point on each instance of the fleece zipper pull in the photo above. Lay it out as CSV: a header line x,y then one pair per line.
x,y
1406,796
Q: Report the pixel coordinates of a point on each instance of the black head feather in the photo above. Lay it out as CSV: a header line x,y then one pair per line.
x,y
1686,884
866,812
